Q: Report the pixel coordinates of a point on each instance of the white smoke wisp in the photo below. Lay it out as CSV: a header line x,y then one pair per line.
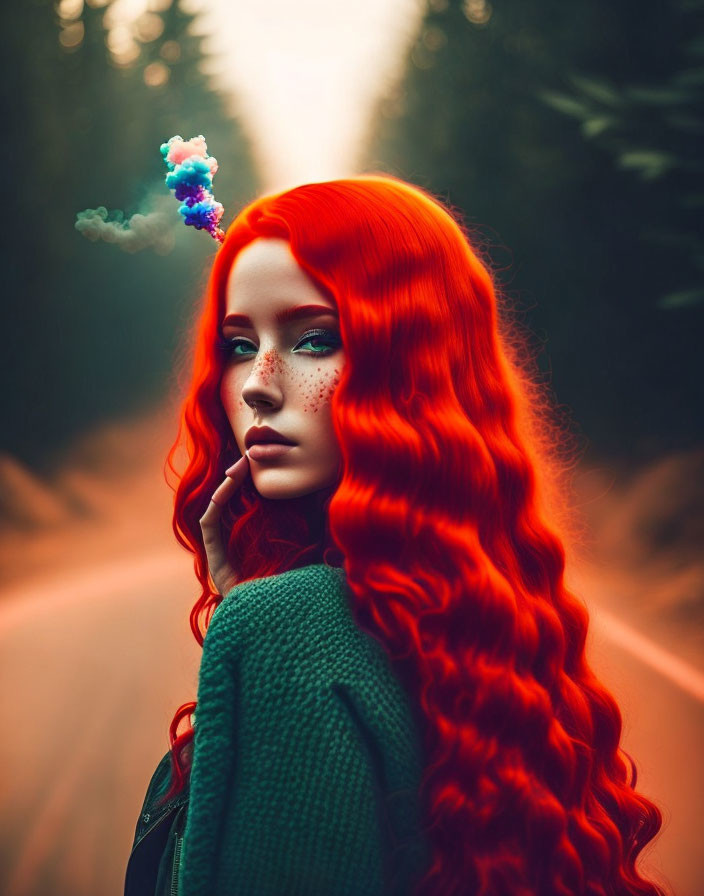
x,y
148,229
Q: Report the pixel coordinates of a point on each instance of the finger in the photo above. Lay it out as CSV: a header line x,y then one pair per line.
x,y
232,482
224,491
212,538
239,469
210,521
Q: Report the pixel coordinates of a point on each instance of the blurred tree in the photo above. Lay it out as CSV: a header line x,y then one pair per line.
x,y
657,131
92,332
559,224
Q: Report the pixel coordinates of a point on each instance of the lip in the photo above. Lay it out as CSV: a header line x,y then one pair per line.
x,y
265,434
268,450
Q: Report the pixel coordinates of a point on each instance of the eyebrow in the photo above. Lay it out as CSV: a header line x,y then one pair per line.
x,y
281,317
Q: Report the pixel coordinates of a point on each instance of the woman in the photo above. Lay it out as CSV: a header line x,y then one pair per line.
x,y
394,695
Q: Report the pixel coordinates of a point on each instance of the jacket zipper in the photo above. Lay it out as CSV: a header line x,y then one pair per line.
x,y
130,886
157,820
177,859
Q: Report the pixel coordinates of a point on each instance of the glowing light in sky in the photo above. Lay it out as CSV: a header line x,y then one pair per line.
x,y
304,75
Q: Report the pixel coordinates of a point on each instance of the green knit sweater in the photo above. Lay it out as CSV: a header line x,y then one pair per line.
x,y
307,759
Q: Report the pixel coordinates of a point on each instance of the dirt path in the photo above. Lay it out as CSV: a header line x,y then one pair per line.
x,y
96,655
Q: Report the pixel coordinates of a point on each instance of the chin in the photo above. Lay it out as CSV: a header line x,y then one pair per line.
x,y
280,485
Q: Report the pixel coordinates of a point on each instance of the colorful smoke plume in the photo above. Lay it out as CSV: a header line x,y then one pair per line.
x,y
190,176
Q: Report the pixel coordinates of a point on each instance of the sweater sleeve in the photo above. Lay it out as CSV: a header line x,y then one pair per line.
x,y
214,751
285,793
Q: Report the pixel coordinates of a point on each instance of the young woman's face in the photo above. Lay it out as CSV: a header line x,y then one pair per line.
x,y
282,364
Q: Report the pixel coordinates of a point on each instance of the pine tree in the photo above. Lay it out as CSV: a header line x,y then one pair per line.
x,y
560,224
92,331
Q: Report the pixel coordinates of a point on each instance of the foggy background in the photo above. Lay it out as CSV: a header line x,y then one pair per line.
x,y
570,138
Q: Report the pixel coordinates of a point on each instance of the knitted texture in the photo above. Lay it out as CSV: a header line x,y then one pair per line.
x,y
307,759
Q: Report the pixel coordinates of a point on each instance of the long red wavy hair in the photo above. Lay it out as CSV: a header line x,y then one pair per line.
x,y
452,545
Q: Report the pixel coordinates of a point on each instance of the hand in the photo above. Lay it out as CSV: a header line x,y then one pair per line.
x,y
221,570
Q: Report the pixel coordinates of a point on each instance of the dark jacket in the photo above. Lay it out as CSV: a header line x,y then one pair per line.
x,y
153,865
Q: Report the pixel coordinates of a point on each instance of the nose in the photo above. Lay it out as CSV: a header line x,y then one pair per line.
x,y
263,386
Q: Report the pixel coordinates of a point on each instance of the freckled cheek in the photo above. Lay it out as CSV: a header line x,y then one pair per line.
x,y
319,388
310,389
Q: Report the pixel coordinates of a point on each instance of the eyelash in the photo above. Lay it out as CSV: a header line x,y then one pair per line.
x,y
227,346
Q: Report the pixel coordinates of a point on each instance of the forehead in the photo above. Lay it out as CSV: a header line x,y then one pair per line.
x,y
266,275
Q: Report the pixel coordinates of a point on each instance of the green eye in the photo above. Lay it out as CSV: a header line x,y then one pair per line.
x,y
228,346
323,342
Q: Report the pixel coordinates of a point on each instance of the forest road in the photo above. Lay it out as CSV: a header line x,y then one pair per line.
x,y
92,669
